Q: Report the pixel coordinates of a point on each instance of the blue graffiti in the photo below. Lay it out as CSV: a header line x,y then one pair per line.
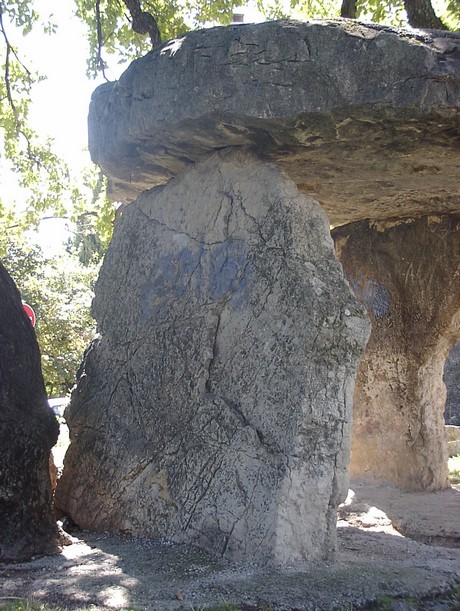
x,y
373,295
209,273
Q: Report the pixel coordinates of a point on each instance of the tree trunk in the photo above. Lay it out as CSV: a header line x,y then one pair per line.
x,y
348,9
28,430
420,14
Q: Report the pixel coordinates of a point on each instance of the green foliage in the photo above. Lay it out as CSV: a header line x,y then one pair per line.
x,y
390,12
64,326
173,17
44,178
299,9
220,12
21,13
60,292
450,14
39,170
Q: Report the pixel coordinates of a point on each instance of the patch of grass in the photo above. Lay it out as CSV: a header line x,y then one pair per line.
x,y
384,602
224,607
414,603
456,597
453,465
9,603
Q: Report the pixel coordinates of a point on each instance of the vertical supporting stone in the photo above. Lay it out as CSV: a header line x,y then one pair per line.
x,y
408,276
215,407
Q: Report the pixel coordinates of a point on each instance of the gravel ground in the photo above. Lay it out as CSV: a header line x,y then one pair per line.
x,y
374,561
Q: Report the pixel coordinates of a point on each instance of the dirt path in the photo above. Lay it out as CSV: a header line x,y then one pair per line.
x,y
374,560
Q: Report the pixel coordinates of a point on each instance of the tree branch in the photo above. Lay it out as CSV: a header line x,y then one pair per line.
x,y
100,42
11,51
143,22
9,92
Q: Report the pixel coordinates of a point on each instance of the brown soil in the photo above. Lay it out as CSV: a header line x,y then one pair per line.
x,y
390,543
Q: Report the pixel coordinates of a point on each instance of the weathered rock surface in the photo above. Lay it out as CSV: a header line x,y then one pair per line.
x,y
28,430
452,381
408,277
363,118
215,407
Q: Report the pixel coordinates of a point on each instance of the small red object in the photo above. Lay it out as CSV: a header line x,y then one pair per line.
x,y
30,313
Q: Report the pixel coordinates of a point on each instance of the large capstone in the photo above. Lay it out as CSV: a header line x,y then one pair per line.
x,y
28,430
364,118
215,407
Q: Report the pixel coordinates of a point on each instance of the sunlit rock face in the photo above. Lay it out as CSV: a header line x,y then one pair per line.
x,y
28,430
215,408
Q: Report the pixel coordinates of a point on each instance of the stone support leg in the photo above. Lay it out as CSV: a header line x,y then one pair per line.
x,y
408,276
215,407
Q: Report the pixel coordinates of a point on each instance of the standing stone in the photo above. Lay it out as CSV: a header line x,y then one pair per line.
x,y
28,430
408,276
216,404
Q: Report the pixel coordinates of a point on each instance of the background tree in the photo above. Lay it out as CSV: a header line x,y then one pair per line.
x,y
416,13
40,170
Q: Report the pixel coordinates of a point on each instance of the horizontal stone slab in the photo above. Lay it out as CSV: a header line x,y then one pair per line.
x,y
364,118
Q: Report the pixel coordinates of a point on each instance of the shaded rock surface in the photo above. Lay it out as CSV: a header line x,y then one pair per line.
x,y
408,277
363,118
215,407
28,430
